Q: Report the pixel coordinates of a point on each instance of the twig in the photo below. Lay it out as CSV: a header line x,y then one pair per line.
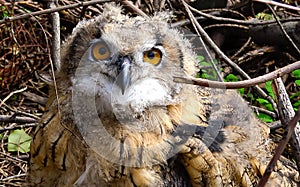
x,y
288,133
240,84
242,48
201,33
18,127
286,113
275,125
284,31
241,22
14,159
224,57
258,109
278,4
35,98
227,25
136,9
11,94
47,11
56,35
14,176
16,119
52,67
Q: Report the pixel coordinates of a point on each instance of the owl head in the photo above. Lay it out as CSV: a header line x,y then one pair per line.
x,y
128,63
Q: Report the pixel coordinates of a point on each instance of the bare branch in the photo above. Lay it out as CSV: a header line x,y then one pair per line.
x,y
11,94
288,133
223,56
47,11
240,84
16,119
56,35
284,31
18,127
286,113
133,7
278,4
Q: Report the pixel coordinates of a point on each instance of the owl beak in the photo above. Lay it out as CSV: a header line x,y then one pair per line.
x,y
124,78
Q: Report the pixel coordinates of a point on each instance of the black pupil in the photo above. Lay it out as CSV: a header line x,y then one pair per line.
x,y
102,50
151,55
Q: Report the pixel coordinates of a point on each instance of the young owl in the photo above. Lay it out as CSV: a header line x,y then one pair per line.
x,y
119,119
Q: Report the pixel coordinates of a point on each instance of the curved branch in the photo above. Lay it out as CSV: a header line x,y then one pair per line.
x,y
240,84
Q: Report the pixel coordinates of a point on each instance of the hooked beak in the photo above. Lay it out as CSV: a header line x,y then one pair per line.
x,y
124,78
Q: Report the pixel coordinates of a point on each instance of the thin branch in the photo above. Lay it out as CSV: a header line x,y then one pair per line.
x,y
12,158
268,112
18,127
224,57
11,94
242,48
201,33
14,176
282,144
241,22
284,31
47,11
286,113
136,9
240,84
16,119
227,25
275,125
56,36
278,4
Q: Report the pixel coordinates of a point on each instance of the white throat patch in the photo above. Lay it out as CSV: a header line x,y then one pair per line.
x,y
144,93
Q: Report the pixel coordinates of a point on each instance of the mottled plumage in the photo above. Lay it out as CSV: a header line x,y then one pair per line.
x,y
120,120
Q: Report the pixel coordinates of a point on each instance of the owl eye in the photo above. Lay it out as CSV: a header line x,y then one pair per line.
x,y
100,51
153,56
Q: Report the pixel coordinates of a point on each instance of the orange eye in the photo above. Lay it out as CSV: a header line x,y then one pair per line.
x,y
153,56
100,51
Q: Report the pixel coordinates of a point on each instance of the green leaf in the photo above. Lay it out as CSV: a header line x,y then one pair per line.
x,y
265,117
264,16
205,64
296,73
297,104
269,107
4,12
262,101
241,91
250,96
19,140
269,89
231,78
297,82
295,95
265,103
216,61
200,58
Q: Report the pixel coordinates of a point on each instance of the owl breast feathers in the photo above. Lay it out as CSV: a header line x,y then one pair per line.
x,y
120,120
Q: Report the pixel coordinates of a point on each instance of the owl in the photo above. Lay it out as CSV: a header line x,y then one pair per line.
x,y
117,118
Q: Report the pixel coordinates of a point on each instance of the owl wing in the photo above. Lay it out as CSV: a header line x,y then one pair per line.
x,y
57,154
234,149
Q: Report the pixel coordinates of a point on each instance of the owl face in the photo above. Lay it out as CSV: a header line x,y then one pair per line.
x,y
131,66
